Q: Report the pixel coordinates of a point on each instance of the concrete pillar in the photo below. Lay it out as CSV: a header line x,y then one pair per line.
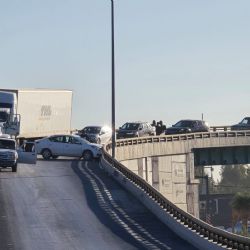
x,y
192,187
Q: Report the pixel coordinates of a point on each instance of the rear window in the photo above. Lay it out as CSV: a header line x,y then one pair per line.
x,y
7,144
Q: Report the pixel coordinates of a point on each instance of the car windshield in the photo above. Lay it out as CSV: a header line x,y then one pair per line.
x,y
7,144
183,124
245,121
3,116
92,130
130,126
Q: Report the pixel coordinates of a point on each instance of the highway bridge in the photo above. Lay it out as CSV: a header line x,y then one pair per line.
x,y
141,200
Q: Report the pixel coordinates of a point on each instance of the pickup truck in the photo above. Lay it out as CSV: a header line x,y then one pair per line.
x,y
10,155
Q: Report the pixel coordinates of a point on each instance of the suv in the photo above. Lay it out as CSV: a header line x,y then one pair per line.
x,y
10,156
96,134
188,126
243,125
135,129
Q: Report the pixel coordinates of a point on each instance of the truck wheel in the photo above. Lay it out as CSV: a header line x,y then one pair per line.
x,y
14,168
87,155
46,153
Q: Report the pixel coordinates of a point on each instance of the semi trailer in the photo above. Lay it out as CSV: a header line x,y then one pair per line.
x,y
35,113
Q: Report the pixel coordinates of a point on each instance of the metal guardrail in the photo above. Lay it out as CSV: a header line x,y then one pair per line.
x,y
218,236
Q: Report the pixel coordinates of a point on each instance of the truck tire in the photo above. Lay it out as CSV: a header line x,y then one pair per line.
x,y
14,168
87,155
46,153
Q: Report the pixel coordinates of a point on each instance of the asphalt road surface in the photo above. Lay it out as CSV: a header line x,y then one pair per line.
x,y
74,205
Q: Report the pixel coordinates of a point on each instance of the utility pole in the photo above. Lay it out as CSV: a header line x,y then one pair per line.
x,y
113,79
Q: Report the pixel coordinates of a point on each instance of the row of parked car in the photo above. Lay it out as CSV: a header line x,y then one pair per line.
x,y
87,142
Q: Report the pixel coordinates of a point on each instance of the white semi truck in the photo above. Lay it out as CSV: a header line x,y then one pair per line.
x,y
35,113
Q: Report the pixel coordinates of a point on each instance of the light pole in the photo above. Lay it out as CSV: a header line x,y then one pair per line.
x,y
113,78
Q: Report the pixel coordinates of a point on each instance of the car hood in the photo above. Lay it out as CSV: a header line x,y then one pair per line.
x,y
96,145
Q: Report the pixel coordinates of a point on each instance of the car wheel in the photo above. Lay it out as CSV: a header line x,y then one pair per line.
x,y
87,155
14,168
46,153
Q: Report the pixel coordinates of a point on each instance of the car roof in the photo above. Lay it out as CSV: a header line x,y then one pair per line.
x,y
137,122
190,120
92,126
63,135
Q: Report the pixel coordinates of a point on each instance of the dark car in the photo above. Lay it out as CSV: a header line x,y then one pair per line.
x,y
135,129
96,134
188,126
243,125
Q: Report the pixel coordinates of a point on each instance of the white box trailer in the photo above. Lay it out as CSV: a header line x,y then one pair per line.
x,y
35,113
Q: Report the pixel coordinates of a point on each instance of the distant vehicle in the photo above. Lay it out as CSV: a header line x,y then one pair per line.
x,y
10,156
35,113
67,145
243,125
188,126
96,134
135,129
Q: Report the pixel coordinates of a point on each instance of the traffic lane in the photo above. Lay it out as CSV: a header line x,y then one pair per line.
x,y
120,211
5,235
47,209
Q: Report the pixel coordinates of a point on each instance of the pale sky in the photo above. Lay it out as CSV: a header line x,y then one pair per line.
x,y
174,59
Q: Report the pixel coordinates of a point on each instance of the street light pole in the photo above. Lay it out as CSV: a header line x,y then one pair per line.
x,y
113,78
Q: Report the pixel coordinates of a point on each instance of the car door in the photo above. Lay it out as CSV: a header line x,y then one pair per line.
x,y
56,145
27,153
72,146
196,127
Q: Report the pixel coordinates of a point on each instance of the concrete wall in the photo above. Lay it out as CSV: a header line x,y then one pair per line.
x,y
169,175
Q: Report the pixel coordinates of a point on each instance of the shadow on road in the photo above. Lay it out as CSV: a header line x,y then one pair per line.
x,y
122,213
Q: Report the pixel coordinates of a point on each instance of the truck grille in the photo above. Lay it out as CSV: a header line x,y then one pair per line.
x,y
7,156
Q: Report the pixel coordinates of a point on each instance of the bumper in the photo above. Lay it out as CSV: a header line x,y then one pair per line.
x,y
5,164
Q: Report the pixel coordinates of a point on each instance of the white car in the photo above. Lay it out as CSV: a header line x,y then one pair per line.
x,y
67,145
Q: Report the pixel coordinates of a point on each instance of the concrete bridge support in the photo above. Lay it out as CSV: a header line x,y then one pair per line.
x,y
172,176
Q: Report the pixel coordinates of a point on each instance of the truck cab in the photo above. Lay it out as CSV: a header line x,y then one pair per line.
x,y
9,119
10,155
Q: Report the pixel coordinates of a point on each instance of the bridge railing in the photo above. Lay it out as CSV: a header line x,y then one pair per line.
x,y
181,137
220,128
218,236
